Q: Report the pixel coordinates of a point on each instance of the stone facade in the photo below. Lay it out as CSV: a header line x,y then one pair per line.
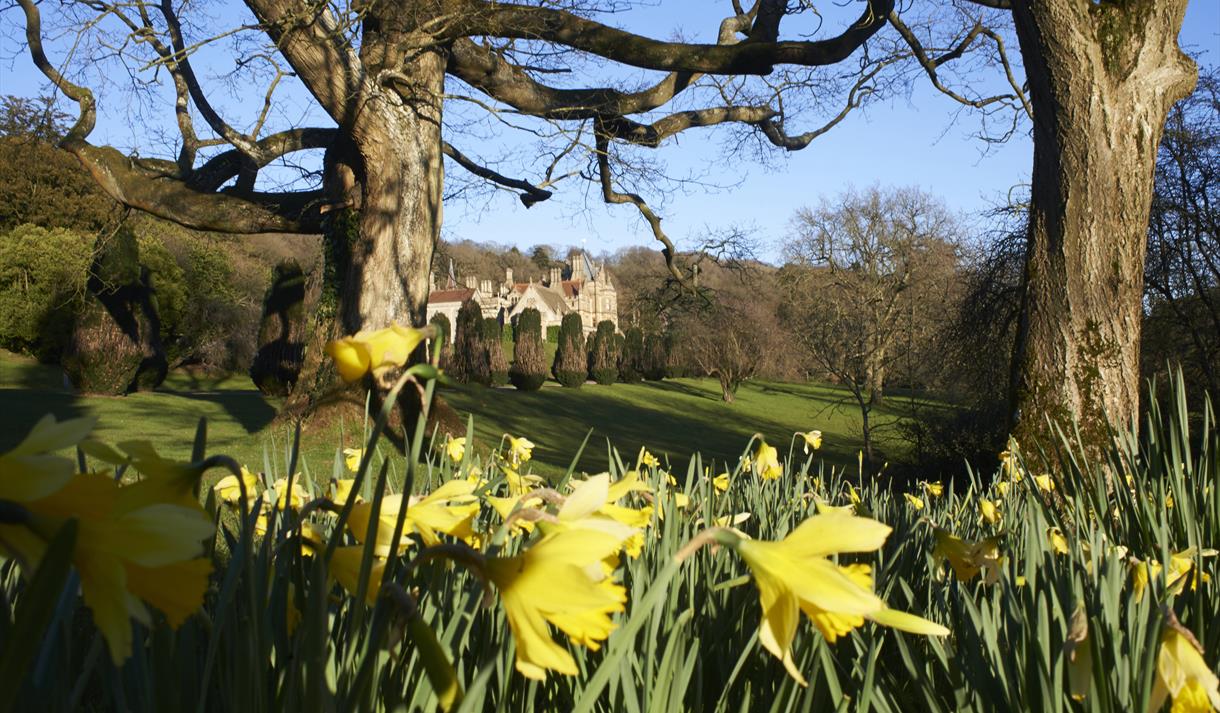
x,y
582,287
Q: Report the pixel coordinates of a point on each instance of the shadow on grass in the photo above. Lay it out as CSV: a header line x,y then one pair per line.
x,y
21,408
668,422
248,408
688,389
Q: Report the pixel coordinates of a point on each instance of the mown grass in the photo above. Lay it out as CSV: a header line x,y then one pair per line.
x,y
671,418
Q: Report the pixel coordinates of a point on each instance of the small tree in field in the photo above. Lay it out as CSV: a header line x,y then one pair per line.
x,y
655,359
631,360
603,361
571,363
470,363
528,371
493,343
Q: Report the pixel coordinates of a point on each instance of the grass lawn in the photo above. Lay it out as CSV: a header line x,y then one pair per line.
x,y
673,418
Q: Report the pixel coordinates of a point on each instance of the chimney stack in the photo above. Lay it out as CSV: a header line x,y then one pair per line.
x,y
472,282
485,286
508,276
556,277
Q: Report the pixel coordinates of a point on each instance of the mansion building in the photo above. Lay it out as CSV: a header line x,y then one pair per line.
x,y
581,288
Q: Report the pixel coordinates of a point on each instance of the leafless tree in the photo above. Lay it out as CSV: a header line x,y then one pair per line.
x,y
869,280
730,334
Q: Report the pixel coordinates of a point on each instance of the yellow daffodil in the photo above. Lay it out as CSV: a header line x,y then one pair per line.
x,y
721,483
456,449
228,489
590,506
813,440
1183,675
914,501
313,539
1168,501
373,351
128,554
168,480
1002,487
586,508
631,482
766,462
32,470
1010,464
1141,573
519,450
1182,572
1079,654
345,568
1058,543
934,490
352,458
1044,482
263,521
853,495
796,575
298,497
450,509
989,512
559,581
341,490
504,508
646,459
519,484
967,559
726,520
825,508
350,357
475,476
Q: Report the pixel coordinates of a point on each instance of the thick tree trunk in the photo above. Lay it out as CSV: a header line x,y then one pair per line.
x,y
1102,78
400,213
378,252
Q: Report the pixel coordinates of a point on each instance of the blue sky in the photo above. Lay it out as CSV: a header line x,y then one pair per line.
x,y
919,139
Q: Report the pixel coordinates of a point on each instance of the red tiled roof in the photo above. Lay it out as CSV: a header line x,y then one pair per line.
x,y
442,296
570,288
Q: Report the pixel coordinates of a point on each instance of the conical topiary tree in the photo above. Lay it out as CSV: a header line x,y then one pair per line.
x,y
631,367
656,357
528,371
603,362
281,332
589,356
444,332
571,361
469,350
493,342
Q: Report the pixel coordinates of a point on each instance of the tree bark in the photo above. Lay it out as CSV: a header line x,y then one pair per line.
x,y
1102,78
387,170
